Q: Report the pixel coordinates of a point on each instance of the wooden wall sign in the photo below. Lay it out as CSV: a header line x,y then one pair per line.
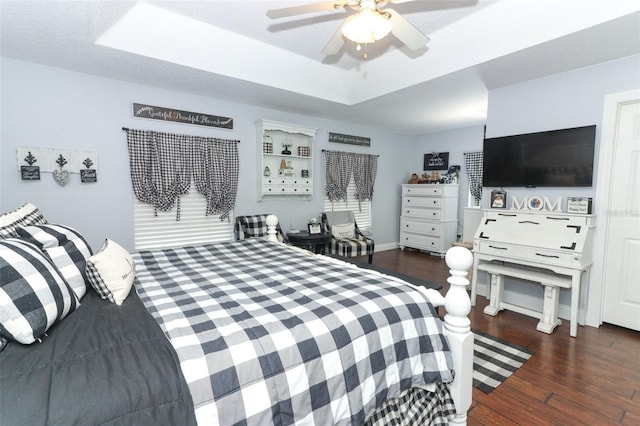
x,y
349,139
180,116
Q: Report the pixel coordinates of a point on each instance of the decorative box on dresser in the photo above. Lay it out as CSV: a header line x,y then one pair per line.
x,y
285,159
429,218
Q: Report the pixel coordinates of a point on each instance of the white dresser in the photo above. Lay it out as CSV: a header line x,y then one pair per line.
x,y
429,217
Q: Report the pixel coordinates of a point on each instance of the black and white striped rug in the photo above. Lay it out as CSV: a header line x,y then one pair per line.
x,y
494,360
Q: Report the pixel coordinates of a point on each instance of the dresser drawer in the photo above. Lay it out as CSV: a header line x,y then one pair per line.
x,y
414,226
422,212
420,241
422,202
423,190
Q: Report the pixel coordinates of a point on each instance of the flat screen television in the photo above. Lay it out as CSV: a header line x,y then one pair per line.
x,y
553,158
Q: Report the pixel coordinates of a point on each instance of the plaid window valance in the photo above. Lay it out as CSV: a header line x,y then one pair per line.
x,y
340,166
473,162
163,165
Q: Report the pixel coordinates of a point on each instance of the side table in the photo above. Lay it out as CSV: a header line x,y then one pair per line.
x,y
312,242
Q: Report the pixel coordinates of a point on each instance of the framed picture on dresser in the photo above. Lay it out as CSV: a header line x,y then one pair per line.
x,y
498,199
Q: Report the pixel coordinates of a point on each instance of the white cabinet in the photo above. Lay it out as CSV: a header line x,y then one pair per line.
x,y
429,218
285,159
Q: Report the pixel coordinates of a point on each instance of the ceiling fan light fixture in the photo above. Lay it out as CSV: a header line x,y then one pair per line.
x,y
366,26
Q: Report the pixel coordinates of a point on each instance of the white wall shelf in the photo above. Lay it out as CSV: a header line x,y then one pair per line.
x,y
284,175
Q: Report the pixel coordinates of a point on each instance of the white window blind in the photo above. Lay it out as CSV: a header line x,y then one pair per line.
x,y
363,218
194,227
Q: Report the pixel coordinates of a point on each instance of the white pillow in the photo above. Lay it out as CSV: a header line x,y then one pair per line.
x,y
343,231
111,272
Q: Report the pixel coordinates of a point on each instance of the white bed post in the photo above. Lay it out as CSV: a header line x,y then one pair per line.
x,y
272,221
457,327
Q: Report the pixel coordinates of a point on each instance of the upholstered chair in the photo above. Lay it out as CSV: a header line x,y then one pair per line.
x,y
346,239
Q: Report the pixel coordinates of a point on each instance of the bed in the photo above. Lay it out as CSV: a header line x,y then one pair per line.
x,y
251,332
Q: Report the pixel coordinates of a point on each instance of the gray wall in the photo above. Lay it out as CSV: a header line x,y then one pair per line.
x,y
54,108
456,142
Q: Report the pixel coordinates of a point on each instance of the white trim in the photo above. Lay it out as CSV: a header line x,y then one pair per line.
x,y
595,307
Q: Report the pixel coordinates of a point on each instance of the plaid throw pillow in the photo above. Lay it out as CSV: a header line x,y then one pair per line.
x,y
33,295
111,272
67,249
24,216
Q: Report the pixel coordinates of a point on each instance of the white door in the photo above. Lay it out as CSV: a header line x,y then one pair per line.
x,y
622,261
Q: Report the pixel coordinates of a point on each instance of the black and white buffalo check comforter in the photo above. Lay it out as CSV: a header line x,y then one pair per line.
x,y
268,334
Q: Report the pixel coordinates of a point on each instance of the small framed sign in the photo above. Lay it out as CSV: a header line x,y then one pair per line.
x,y
580,205
315,228
436,161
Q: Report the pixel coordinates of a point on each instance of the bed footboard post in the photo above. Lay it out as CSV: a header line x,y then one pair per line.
x,y
272,221
457,327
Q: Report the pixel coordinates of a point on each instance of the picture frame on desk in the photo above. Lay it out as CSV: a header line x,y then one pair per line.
x,y
498,199
315,228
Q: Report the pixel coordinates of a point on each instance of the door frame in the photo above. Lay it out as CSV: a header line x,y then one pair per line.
x,y
612,102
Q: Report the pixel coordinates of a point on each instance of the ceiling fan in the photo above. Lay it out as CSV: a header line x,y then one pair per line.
x,y
370,22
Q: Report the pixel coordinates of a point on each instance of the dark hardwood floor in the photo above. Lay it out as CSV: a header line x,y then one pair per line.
x,y
593,379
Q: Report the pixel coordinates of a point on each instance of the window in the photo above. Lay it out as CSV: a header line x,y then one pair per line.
x,y
363,218
194,227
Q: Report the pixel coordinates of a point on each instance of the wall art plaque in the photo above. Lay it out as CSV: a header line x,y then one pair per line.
x,y
181,116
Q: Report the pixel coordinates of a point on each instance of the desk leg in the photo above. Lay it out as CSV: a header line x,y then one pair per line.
x,y
575,302
549,319
496,290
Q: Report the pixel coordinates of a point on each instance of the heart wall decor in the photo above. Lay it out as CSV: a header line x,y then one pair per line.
x,y
61,176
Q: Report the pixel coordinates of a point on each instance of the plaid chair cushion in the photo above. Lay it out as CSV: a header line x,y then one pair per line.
x,y
26,215
358,245
33,294
67,249
254,227
352,247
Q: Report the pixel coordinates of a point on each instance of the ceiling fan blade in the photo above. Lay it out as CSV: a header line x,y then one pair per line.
x,y
306,8
335,43
412,37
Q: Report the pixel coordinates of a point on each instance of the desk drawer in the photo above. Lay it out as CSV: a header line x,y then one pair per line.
x,y
551,257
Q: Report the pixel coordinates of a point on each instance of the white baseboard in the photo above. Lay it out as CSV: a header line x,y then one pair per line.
x,y
387,246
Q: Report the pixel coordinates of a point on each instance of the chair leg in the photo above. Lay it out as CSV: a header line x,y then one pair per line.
x,y
370,258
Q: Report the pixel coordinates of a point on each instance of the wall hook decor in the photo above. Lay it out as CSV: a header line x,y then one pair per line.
x,y
88,174
30,172
61,176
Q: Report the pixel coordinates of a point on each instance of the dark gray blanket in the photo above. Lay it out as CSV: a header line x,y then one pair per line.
x,y
103,364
